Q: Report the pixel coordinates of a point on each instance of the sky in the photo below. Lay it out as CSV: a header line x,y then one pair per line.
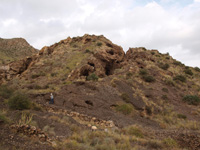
x,y
171,26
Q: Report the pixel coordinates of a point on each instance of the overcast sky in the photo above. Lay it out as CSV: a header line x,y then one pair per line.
x,y
167,25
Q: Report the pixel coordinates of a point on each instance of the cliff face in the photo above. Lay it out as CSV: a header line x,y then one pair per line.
x,y
14,49
93,76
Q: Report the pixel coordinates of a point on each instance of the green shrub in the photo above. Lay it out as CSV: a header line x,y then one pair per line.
x,y
148,78
164,66
167,58
169,142
152,53
169,81
197,69
54,74
88,51
5,91
3,118
19,101
165,90
133,130
164,97
182,116
99,44
38,75
129,74
143,72
180,78
92,77
178,63
125,97
188,71
191,99
126,109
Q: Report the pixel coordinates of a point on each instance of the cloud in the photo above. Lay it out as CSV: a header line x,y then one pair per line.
x,y
166,25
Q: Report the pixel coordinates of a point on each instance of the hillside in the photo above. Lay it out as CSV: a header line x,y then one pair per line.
x,y
139,100
14,49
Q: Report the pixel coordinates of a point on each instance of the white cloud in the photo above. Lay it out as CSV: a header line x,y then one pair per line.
x,y
175,29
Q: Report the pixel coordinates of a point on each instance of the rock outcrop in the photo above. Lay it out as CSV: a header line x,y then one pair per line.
x,y
15,49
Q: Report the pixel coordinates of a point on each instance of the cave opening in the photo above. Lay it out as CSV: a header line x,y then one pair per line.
x,y
109,69
89,102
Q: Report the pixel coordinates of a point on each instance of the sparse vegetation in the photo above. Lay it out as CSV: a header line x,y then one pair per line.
x,y
145,76
34,76
92,77
197,69
148,78
87,51
188,71
178,63
5,91
143,72
163,66
181,116
164,97
19,101
3,118
99,44
165,90
25,119
134,131
125,97
169,142
169,81
191,99
126,109
180,78
129,75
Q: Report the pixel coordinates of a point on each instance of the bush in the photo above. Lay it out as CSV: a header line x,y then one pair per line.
x,y
38,75
191,99
3,118
169,81
197,69
143,72
99,44
129,74
181,116
92,77
164,97
164,66
133,130
148,78
188,71
125,97
126,109
165,90
19,101
180,78
178,63
5,91
169,142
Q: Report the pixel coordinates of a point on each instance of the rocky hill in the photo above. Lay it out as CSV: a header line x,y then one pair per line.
x,y
14,49
139,100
